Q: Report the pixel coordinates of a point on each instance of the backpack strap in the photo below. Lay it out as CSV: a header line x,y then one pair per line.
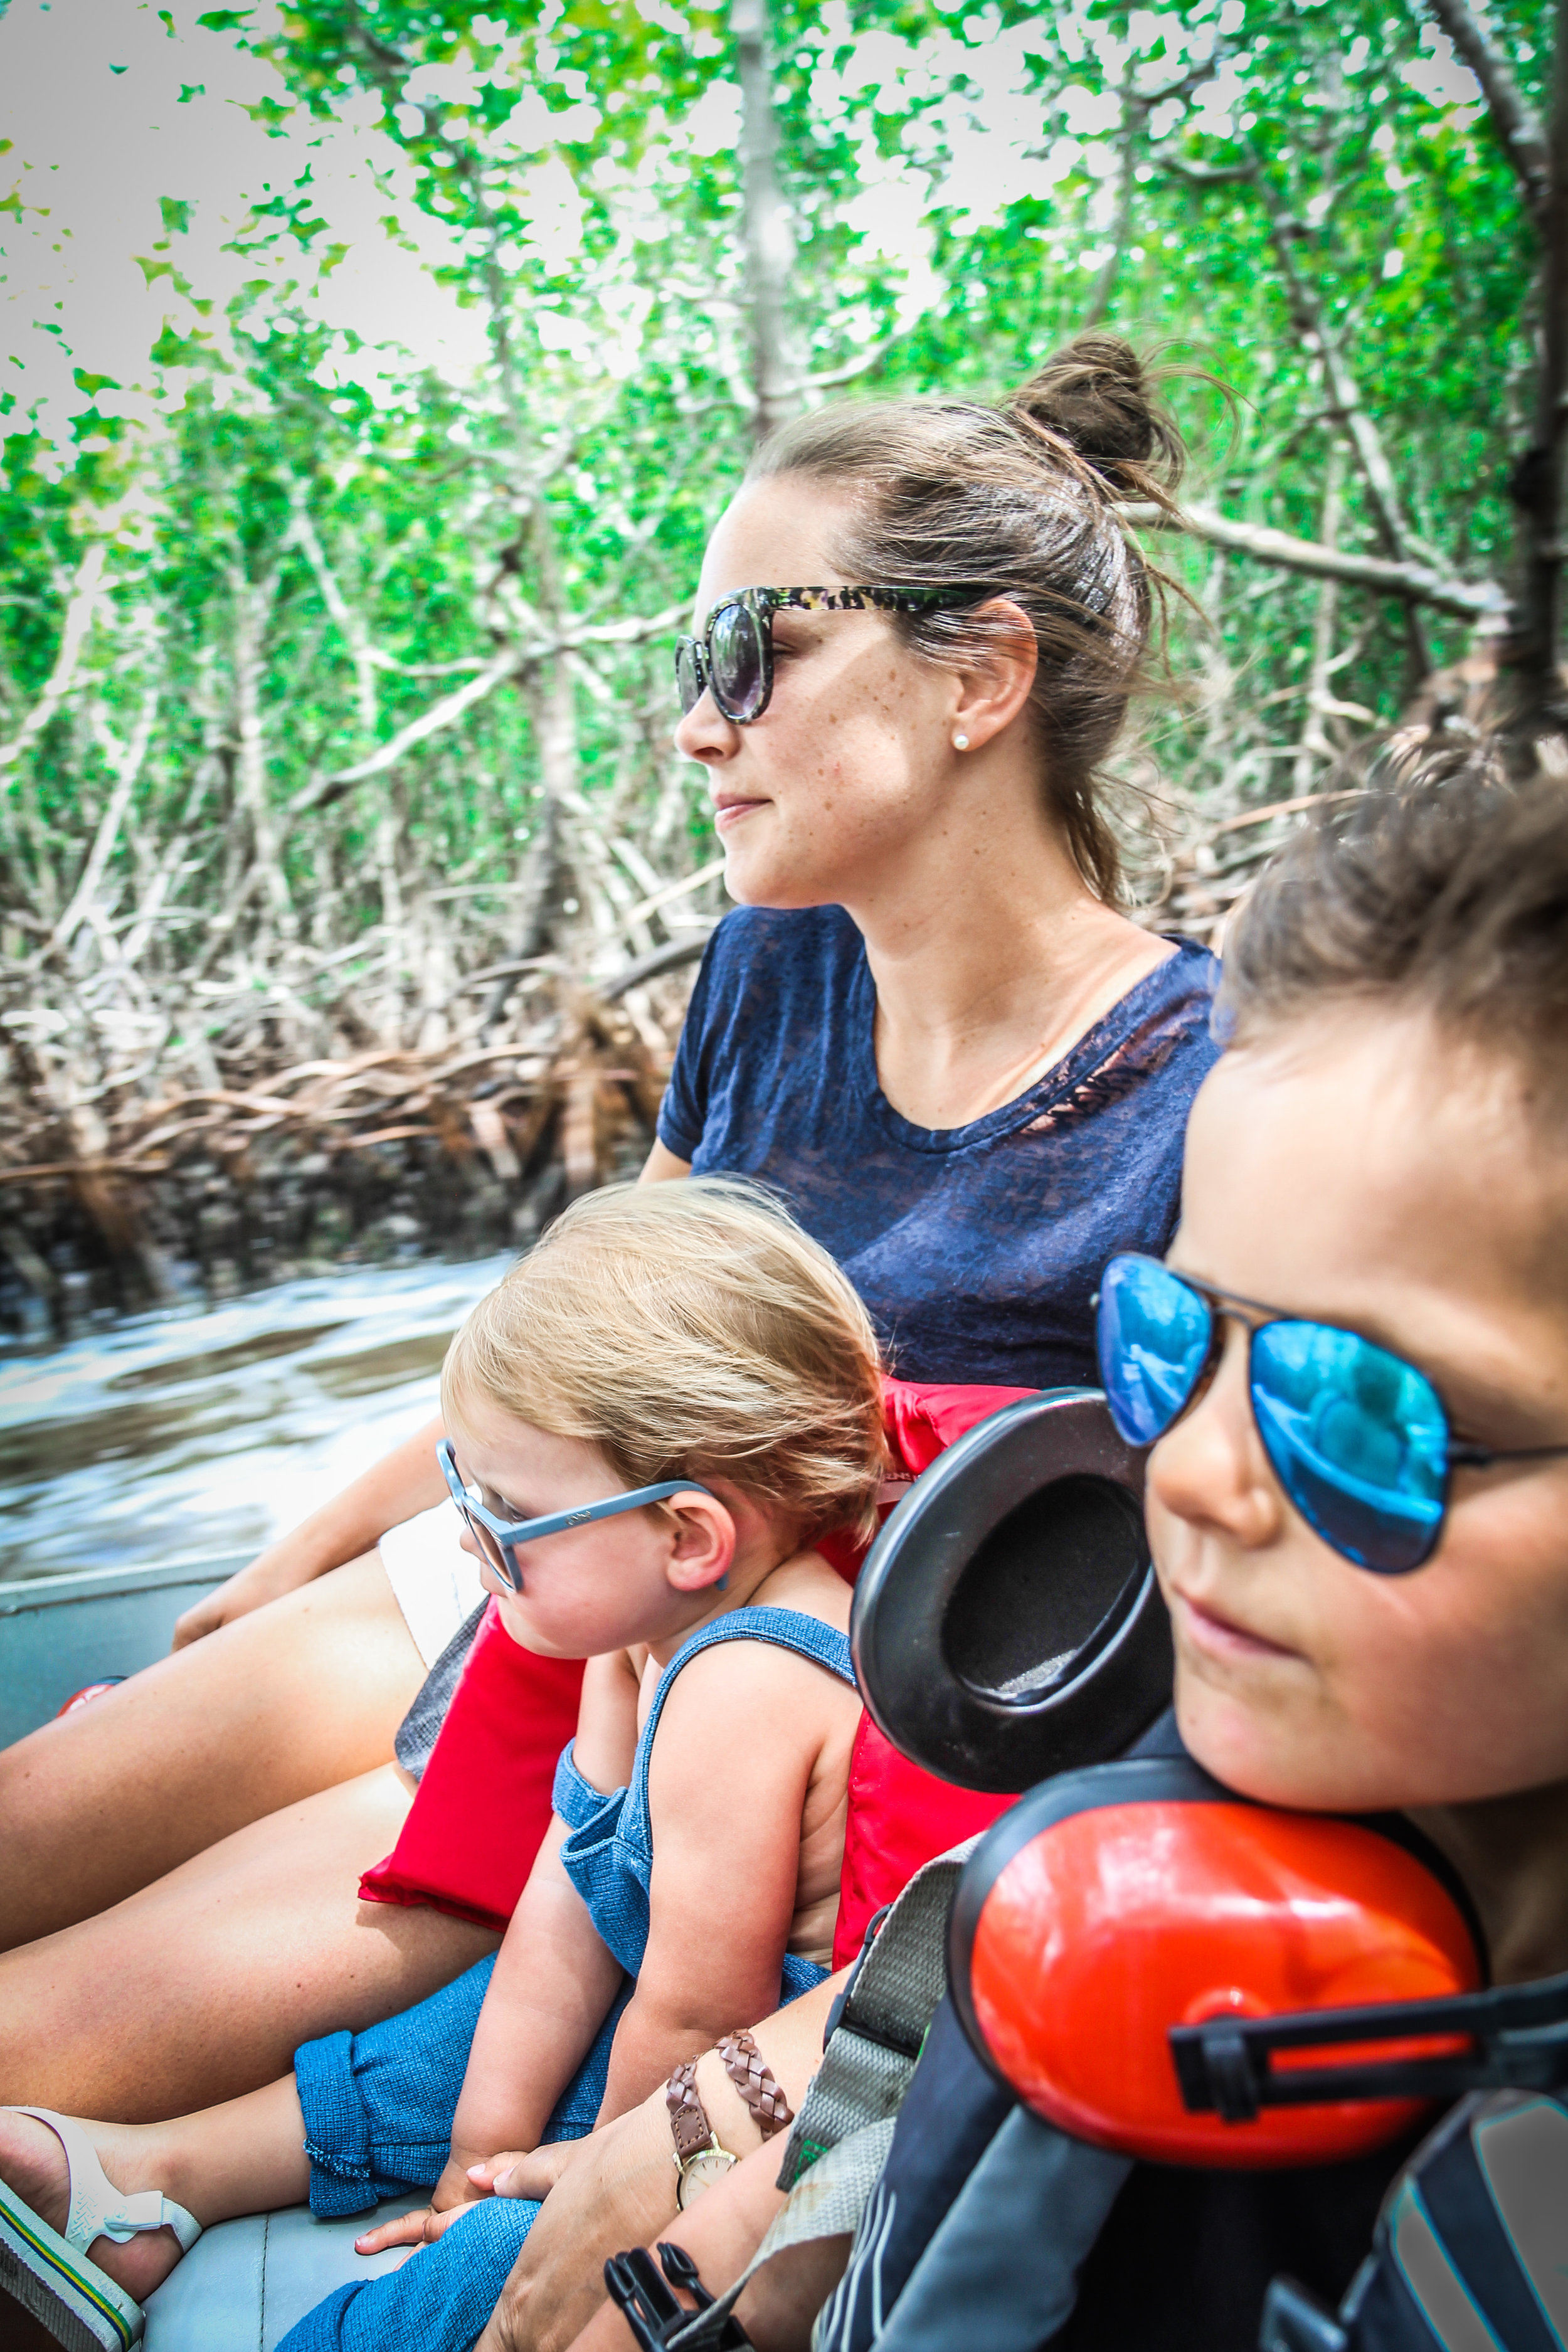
x,y
839,2143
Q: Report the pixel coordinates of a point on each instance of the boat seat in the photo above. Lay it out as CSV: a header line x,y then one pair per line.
x,y
245,2283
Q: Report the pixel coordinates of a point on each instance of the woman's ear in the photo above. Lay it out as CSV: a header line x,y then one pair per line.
x,y
994,681
702,1546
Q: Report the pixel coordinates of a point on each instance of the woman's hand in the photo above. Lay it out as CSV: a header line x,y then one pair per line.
x,y
282,1568
405,1482
527,2172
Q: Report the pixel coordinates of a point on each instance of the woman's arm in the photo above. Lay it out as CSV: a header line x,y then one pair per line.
x,y
405,1481
391,1490
619,2188
661,1164
725,1807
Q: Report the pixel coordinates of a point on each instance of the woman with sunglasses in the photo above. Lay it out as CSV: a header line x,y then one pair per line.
x,y
928,1024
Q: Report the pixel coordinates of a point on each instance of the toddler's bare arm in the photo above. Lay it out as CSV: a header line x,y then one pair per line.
x,y
619,2188
741,1737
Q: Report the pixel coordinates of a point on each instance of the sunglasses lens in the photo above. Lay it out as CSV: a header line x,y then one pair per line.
x,y
735,652
688,674
1154,1335
1359,1440
493,1551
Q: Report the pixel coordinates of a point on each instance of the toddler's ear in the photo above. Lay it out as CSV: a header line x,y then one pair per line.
x,y
703,1544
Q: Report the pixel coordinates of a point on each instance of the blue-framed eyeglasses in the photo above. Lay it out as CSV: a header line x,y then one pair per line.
x,y
497,1537
1358,1438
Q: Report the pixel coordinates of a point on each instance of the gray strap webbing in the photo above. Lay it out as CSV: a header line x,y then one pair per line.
x,y
834,2154
872,2054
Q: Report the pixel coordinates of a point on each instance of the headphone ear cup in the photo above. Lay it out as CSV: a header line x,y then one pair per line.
x,y
1008,1624
1115,1904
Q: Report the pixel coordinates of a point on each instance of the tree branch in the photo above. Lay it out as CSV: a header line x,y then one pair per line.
x,y
1514,119
80,609
452,707
128,767
765,219
1533,654
1416,582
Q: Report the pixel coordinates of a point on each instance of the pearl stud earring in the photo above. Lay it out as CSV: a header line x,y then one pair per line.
x,y
961,742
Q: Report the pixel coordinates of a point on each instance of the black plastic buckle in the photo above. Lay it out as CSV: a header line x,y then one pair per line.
x,y
841,2000
644,2300
1295,2321
1516,2037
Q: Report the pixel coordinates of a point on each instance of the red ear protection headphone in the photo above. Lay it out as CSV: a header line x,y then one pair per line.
x,y
1162,1968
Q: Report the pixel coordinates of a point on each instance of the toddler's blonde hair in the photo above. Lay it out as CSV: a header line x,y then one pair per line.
x,y
688,1329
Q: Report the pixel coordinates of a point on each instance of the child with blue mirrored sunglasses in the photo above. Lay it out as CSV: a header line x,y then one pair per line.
x,y
1355,1357
1358,1438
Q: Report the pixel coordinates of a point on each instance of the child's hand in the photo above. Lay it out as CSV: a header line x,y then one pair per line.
x,y
525,2172
454,2192
421,2227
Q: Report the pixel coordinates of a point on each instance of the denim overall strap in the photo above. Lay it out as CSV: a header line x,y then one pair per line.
x,y
608,1854
790,1629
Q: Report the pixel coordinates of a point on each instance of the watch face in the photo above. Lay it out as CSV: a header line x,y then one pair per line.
x,y
701,2171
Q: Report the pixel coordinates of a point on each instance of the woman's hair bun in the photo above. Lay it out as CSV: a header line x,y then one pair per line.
x,y
1095,394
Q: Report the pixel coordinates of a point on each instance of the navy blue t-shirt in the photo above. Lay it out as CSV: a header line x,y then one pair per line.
x,y
978,1248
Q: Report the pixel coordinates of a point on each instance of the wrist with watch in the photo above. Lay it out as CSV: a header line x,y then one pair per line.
x,y
700,2157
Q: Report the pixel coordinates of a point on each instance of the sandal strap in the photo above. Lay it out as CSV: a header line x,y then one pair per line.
x,y
99,2210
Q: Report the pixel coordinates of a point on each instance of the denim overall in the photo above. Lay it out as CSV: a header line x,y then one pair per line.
x,y
378,2106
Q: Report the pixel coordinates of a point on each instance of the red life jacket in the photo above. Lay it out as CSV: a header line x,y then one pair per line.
x,y
482,1808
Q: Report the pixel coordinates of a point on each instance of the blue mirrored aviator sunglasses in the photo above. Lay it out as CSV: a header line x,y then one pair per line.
x,y
496,1538
1358,1438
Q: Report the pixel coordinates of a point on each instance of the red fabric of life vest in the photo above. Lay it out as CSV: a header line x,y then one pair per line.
x,y
480,1811
482,1807
900,1816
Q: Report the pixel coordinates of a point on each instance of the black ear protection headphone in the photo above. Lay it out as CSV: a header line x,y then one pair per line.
x,y
1007,1623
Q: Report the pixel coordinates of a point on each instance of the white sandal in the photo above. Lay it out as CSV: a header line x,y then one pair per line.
x,y
51,2277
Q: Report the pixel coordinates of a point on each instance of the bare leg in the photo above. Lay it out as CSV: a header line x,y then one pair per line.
x,y
293,1698
203,1986
246,2156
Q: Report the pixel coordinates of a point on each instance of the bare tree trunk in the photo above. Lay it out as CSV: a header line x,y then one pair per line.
x,y
128,762
1531,653
770,242
1315,744
1121,226
350,621
86,590
555,733
252,602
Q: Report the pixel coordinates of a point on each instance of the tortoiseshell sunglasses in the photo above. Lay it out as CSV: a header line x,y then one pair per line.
x,y
733,658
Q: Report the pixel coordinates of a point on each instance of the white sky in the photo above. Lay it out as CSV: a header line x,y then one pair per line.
x,y
109,105
92,151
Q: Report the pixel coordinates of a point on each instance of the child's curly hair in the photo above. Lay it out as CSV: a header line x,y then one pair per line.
x,y
688,1329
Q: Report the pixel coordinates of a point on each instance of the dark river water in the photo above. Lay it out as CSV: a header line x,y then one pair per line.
x,y
192,1433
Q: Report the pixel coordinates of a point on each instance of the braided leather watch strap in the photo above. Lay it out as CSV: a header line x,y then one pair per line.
x,y
688,2121
753,2077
